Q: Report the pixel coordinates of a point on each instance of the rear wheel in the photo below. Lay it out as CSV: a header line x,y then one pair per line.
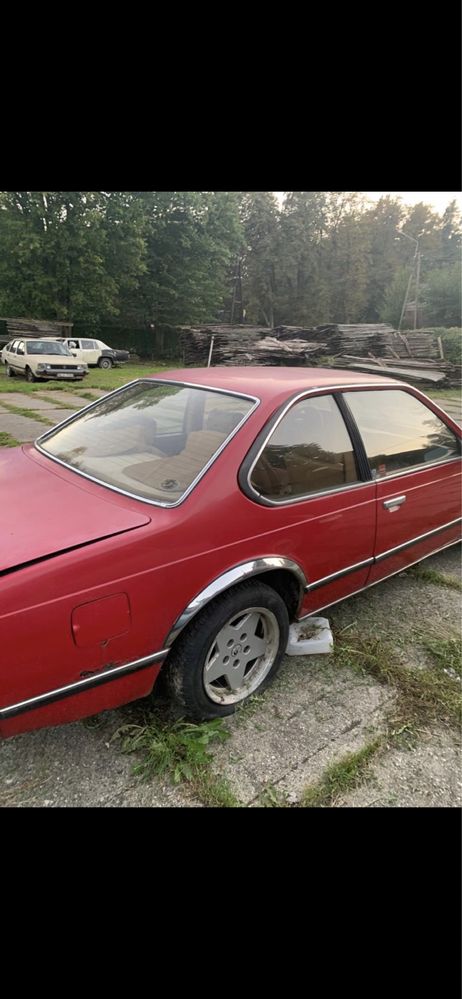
x,y
9,372
105,362
231,650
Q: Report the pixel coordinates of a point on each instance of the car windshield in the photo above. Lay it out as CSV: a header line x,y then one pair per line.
x,y
47,347
151,439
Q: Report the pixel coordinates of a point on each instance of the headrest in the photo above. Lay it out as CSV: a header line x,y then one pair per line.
x,y
223,420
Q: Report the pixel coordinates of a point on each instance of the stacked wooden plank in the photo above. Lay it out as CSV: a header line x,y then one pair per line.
x,y
195,341
36,327
239,345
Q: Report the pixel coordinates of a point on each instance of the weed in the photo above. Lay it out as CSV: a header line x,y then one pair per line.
x,y
179,750
423,695
6,440
446,653
30,413
272,797
433,576
341,776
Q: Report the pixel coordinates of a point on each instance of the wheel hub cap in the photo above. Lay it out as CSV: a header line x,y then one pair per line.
x,y
241,655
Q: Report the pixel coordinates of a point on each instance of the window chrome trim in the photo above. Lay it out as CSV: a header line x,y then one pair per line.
x,y
96,680
333,390
418,468
229,578
382,579
307,394
416,540
123,492
338,575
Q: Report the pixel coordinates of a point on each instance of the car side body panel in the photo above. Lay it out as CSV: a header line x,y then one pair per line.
x,y
151,576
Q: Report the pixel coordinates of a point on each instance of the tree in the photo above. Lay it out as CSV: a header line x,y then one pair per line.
x,y
303,292
259,217
191,240
442,297
68,254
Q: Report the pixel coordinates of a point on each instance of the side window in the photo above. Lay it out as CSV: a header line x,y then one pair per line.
x,y
87,344
399,431
20,347
12,346
310,451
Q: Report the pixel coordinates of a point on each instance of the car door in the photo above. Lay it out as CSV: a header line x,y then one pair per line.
x,y
414,457
91,351
19,358
322,497
10,353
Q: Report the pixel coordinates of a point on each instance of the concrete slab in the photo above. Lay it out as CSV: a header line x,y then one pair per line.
x,y
21,427
428,775
58,415
30,401
65,398
77,766
312,715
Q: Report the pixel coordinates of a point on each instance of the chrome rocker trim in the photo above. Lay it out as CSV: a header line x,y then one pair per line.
x,y
96,680
236,575
325,580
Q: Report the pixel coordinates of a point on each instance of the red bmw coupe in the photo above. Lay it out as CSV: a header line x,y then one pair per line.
x,y
183,521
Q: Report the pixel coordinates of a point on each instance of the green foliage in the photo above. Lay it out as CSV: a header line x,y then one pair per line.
x,y
452,342
145,260
179,751
341,776
6,440
442,296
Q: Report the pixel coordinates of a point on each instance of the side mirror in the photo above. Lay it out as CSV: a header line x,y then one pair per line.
x,y
73,355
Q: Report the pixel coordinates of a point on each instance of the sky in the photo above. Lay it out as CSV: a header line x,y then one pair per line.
x,y
439,200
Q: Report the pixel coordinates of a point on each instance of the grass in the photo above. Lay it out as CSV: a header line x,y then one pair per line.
x,y
340,777
453,394
433,576
179,751
446,653
423,695
96,378
6,440
30,413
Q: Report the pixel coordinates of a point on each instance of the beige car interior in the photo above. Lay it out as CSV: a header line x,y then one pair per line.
x,y
285,470
168,476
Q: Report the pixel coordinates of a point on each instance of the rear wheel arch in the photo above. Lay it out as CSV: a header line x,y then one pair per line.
x,y
283,575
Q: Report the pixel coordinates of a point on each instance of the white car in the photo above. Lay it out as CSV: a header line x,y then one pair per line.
x,y
95,353
41,360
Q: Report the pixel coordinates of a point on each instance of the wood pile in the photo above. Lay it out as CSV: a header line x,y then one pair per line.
x,y
240,345
35,327
414,356
378,339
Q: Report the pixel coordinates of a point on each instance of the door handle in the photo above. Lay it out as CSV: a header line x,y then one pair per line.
x,y
391,504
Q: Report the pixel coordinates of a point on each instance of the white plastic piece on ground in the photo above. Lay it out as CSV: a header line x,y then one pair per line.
x,y
311,637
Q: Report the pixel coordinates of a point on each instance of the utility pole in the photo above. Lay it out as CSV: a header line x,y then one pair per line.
x,y
415,271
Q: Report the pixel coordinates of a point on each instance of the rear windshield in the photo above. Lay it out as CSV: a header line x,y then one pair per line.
x,y
152,439
47,347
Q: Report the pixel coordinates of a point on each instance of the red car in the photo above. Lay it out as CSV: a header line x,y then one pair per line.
x,y
183,521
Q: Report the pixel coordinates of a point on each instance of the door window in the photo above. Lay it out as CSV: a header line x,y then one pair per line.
x,y
399,432
309,451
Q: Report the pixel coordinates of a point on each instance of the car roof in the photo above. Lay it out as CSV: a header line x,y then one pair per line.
x,y
273,381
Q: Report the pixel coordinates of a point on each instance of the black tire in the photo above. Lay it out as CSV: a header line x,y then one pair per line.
x,y
186,662
105,362
30,376
9,372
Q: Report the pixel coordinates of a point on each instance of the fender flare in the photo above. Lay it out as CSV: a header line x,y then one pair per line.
x,y
229,578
